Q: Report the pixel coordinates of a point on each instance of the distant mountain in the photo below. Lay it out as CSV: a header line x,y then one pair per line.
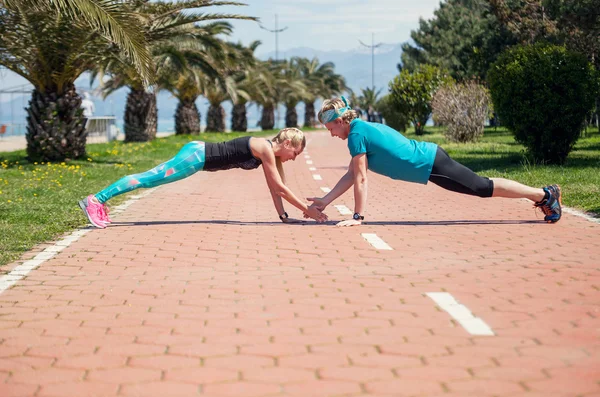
x,y
354,65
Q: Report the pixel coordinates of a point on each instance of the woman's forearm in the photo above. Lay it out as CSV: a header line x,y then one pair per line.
x,y
285,193
360,195
278,203
340,188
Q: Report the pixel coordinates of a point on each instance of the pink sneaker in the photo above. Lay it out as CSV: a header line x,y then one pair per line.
x,y
94,211
106,219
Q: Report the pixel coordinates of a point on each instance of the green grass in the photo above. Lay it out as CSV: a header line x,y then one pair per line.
x,y
38,201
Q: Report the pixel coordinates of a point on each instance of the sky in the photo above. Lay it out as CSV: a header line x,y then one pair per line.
x,y
319,24
329,24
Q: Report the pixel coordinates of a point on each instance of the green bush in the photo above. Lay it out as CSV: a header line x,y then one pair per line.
x,y
543,93
393,118
412,92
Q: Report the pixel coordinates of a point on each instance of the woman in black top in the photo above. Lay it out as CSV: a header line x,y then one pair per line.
x,y
246,153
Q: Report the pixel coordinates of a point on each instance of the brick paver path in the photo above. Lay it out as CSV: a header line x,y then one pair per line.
x,y
197,289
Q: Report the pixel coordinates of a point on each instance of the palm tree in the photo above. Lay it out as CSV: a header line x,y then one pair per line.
x,y
369,98
51,43
187,116
182,68
235,60
262,82
293,91
245,86
216,94
269,81
322,81
167,25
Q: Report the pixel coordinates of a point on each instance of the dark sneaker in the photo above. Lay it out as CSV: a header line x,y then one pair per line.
x,y
551,207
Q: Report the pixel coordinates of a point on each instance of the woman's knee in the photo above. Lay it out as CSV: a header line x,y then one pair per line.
x,y
484,187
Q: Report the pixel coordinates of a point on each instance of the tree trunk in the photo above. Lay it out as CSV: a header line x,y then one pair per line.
x,y
419,124
55,126
267,121
239,119
291,117
215,119
187,117
309,115
140,116
598,114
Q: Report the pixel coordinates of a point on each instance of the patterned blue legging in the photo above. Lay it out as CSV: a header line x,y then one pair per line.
x,y
188,161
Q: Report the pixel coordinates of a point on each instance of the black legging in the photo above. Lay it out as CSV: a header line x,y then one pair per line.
x,y
454,176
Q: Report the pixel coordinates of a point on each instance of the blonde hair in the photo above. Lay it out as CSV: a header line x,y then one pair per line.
x,y
297,139
337,103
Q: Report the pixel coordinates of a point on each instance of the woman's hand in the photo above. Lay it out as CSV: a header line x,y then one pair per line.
x,y
317,202
316,214
349,222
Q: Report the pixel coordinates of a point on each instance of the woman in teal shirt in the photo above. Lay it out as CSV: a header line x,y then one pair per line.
x,y
387,152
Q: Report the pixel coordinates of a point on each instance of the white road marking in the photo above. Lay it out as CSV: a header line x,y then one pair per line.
x,y
326,189
376,241
10,279
343,210
580,214
306,156
317,177
473,325
312,169
309,162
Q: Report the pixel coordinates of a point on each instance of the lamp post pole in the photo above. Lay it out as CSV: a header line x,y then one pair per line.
x,y
276,31
372,47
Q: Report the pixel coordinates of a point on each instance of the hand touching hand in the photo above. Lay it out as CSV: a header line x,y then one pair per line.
x,y
317,202
316,214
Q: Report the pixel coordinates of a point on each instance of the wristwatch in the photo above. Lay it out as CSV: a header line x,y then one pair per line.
x,y
284,216
358,217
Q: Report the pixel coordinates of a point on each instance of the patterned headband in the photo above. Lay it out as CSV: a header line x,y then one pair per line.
x,y
332,114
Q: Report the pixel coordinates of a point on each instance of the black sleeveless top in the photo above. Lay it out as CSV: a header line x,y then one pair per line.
x,y
231,154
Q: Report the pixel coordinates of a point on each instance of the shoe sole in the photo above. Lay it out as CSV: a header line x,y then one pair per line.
x,y
84,208
559,202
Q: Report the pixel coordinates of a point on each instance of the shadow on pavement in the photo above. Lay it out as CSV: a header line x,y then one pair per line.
x,y
454,223
309,223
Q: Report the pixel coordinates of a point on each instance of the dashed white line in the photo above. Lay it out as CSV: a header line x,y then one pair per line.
x,y
306,156
326,189
473,325
343,210
376,241
309,162
317,177
312,169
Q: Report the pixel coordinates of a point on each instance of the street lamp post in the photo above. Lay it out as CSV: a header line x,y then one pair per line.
x,y
372,47
276,31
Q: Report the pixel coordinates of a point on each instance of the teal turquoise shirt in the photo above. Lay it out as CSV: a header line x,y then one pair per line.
x,y
390,153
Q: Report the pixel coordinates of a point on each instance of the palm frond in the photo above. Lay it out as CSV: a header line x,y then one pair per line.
x,y
160,29
115,21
